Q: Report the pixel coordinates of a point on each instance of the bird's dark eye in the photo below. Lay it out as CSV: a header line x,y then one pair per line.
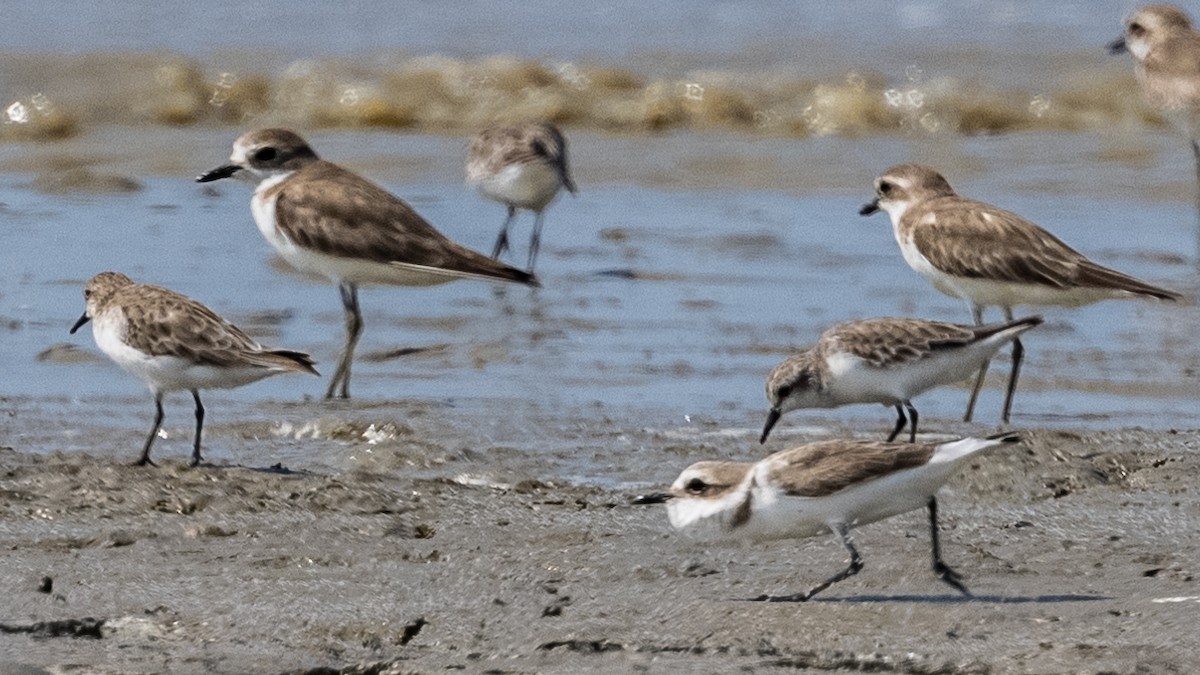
x,y
695,486
885,187
784,391
1136,29
265,154
87,293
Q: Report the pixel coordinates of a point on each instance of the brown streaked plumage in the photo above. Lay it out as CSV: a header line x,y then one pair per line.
x,y
328,209
1166,53
173,343
887,361
830,486
990,257
522,166
325,219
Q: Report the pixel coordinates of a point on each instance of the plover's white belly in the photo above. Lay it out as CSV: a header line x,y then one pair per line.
x,y
988,292
338,268
531,185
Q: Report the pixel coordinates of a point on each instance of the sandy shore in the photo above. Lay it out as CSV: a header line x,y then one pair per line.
x,y
1076,546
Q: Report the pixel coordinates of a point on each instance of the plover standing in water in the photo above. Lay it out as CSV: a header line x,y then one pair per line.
x,y
1166,50
173,343
886,361
832,486
990,257
522,166
325,219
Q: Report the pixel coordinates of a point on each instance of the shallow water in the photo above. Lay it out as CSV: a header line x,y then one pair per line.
x,y
722,154
663,307
771,69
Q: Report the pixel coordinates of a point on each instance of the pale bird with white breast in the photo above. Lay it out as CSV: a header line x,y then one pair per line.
x,y
1166,52
523,166
830,486
173,343
888,361
990,257
327,220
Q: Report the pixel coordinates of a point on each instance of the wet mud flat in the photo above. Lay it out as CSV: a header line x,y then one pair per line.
x,y
1080,549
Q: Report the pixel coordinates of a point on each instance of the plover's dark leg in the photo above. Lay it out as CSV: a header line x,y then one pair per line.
x,y
354,324
977,314
1018,353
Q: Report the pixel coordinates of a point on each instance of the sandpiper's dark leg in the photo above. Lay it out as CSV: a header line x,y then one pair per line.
x,y
901,422
977,313
856,564
941,569
536,241
354,325
912,420
502,240
1018,353
199,426
158,418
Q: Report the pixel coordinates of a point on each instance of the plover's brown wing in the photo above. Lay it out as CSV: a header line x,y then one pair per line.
x,y
974,240
821,469
161,322
338,213
885,343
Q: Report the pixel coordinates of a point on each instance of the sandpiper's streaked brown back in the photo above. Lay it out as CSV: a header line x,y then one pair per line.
x,y
173,343
888,361
523,166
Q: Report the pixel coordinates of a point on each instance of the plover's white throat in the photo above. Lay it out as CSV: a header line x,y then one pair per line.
x,y
1166,50
325,219
886,361
173,343
522,166
831,486
990,257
